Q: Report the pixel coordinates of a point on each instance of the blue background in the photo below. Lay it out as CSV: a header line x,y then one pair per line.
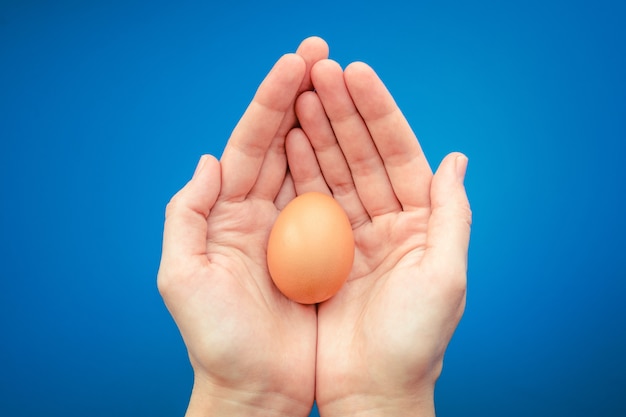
x,y
105,108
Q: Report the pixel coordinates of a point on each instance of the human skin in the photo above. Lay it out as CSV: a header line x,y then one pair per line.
x,y
382,337
251,349
375,348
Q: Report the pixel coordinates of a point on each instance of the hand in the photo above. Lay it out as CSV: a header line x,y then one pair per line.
x,y
251,349
382,337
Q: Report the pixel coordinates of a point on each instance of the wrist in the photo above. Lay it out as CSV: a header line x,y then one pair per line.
x,y
414,405
211,400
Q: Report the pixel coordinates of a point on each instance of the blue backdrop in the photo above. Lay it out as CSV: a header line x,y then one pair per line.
x,y
105,108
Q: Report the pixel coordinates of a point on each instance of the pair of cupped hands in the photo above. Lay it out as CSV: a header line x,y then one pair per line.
x,y
377,346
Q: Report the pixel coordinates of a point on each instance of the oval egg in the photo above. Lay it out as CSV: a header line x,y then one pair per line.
x,y
310,248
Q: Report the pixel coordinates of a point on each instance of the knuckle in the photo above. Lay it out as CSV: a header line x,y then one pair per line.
x,y
451,280
172,206
466,212
456,284
163,284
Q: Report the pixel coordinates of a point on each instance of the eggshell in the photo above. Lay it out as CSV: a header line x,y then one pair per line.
x,y
310,250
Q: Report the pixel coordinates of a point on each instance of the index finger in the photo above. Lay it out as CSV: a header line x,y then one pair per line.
x,y
245,151
406,165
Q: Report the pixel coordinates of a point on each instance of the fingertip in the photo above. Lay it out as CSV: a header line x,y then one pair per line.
x,y
448,180
204,187
324,66
293,143
305,103
292,59
358,73
314,44
460,165
305,97
312,50
357,67
291,68
317,40
453,165
369,93
200,164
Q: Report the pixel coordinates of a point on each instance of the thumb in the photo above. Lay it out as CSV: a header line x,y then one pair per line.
x,y
451,218
185,230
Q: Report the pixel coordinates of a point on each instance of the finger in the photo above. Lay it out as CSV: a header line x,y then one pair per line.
x,y
450,222
332,163
405,163
367,169
185,230
273,170
246,149
286,193
303,165
311,49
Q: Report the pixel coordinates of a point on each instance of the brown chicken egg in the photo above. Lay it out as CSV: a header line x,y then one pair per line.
x,y
310,248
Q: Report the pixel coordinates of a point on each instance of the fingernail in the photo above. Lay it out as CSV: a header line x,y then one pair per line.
x,y
460,164
200,165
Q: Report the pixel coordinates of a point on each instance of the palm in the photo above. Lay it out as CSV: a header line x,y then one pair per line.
x,y
383,241
385,311
267,336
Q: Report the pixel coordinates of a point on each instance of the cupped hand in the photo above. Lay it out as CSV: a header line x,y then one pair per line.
x,y
252,350
382,337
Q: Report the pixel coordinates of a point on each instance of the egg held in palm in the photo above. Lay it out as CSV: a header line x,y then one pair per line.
x,y
310,250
